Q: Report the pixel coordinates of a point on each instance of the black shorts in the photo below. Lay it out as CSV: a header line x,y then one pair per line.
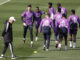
x,y
46,30
73,31
63,32
37,26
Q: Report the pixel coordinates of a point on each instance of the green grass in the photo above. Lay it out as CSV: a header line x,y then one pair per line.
x,y
16,8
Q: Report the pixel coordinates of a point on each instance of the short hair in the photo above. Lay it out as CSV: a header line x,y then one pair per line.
x,y
29,5
37,7
73,11
50,3
64,15
59,10
59,4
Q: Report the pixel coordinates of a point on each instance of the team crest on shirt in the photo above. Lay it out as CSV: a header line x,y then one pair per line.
x,y
74,19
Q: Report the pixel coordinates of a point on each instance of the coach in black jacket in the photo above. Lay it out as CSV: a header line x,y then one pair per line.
x,y
8,37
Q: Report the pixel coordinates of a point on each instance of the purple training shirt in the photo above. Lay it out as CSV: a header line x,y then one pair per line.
x,y
28,17
63,10
46,22
38,17
57,17
75,19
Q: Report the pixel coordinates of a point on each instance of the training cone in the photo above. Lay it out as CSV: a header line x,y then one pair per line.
x,y
35,52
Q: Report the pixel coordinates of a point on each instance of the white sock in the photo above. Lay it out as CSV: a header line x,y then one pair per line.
x,y
31,42
74,44
59,45
24,38
44,46
36,38
65,47
2,55
70,44
56,42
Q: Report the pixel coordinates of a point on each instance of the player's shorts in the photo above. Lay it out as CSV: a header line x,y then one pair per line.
x,y
73,31
37,26
46,30
63,32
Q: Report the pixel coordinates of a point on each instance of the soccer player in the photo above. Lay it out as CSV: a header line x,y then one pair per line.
x,y
37,18
8,37
63,10
73,24
51,10
57,16
27,18
63,30
45,27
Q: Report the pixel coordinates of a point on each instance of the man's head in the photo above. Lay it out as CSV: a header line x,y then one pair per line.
x,y
58,5
37,9
12,19
72,11
29,7
49,5
59,10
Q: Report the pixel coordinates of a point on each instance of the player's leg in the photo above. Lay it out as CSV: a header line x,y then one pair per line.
x,y
24,35
31,34
74,40
70,38
48,41
4,50
65,37
37,26
60,38
44,45
11,50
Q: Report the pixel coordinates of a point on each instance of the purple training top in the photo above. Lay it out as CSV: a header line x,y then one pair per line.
x,y
46,22
57,17
63,22
63,10
75,19
51,12
38,17
28,17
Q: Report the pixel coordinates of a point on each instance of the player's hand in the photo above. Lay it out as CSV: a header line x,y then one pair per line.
x,y
24,24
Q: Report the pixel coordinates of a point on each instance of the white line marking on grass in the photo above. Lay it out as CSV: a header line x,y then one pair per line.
x,y
4,2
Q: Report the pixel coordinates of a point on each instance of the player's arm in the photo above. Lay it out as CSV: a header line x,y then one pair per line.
x,y
52,26
40,27
79,22
23,18
6,27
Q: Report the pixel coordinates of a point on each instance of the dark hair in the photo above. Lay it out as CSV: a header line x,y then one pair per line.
x,y
59,10
64,15
73,11
50,3
29,5
59,4
37,7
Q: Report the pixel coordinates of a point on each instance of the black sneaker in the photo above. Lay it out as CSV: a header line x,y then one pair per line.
x,y
56,46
